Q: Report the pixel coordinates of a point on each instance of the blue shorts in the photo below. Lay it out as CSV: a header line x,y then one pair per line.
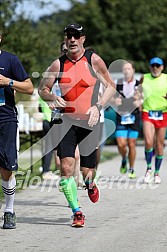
x,y
8,148
129,133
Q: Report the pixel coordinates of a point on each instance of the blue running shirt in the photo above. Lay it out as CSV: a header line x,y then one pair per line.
x,y
10,67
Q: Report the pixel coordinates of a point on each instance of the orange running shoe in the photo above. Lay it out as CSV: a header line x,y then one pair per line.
x,y
94,193
78,220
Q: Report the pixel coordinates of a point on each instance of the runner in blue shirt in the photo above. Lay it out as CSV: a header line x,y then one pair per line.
x,y
13,77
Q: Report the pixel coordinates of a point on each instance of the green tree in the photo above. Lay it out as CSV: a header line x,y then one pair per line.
x,y
124,29
116,29
36,44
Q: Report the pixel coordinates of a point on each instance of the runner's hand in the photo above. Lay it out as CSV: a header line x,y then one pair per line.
x,y
118,101
58,103
94,116
4,81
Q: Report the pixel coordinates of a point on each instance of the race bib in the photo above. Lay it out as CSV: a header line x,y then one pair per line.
x,y
155,115
2,97
127,119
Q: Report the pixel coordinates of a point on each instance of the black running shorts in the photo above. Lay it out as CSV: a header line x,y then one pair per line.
x,y
79,133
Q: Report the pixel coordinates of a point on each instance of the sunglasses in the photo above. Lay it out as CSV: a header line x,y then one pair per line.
x,y
75,35
155,65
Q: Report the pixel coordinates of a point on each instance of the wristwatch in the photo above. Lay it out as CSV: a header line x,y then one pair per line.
x,y
99,107
11,83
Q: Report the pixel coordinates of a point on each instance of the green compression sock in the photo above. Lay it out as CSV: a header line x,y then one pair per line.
x,y
69,189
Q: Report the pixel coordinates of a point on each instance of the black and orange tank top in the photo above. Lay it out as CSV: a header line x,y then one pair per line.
x,y
79,85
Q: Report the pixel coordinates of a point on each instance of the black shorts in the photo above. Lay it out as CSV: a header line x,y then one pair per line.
x,y
8,148
77,132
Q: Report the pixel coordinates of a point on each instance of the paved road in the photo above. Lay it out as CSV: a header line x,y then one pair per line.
x,y
130,215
